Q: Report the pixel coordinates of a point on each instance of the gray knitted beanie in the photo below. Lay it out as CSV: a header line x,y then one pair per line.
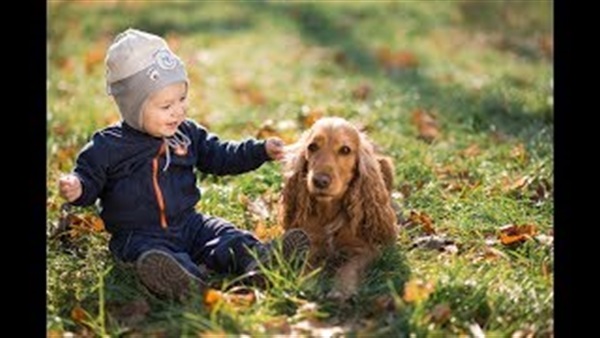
x,y
138,64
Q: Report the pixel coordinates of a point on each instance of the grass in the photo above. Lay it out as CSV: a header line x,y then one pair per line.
x,y
482,70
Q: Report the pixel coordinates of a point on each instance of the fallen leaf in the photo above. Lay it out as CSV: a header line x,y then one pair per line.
x,y
267,233
78,314
416,290
518,152
384,303
361,92
426,125
493,253
277,326
308,116
95,56
422,219
212,297
441,313
471,151
266,130
512,234
247,92
546,45
397,60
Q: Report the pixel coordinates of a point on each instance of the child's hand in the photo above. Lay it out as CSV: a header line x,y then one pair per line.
x,y
274,147
69,187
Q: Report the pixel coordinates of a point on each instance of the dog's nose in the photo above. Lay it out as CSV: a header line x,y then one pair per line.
x,y
321,181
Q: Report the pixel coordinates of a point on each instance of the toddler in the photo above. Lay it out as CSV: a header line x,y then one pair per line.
x,y
143,171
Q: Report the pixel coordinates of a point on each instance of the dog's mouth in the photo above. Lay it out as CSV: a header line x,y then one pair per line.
x,y
323,195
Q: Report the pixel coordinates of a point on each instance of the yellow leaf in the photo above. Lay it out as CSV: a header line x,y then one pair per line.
x,y
415,290
212,297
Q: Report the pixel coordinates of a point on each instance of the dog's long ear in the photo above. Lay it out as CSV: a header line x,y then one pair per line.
x,y
294,206
368,201
387,171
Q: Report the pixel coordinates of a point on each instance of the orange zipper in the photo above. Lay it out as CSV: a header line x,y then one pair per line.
x,y
157,191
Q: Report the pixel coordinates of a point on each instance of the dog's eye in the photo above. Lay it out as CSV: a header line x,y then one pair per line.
x,y
345,150
313,147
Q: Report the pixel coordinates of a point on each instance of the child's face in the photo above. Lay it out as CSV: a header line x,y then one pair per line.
x,y
165,110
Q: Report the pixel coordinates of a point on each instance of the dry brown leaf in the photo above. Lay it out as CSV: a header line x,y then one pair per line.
x,y
471,151
247,92
426,125
308,116
361,92
511,233
397,60
518,152
66,154
78,314
267,129
441,313
416,290
66,65
383,304
421,218
277,326
95,56
546,44
85,223
493,253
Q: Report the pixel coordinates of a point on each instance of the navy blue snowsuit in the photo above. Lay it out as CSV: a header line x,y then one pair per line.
x,y
144,207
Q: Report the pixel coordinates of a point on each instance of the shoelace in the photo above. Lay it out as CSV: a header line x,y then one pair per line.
x,y
178,140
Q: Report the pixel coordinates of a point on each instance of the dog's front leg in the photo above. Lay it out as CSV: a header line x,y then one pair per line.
x,y
348,277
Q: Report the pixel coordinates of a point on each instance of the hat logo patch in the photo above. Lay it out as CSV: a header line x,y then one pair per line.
x,y
165,59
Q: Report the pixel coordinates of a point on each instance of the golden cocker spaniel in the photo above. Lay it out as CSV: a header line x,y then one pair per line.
x,y
337,189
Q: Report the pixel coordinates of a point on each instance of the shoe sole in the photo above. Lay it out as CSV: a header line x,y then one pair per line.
x,y
164,276
295,243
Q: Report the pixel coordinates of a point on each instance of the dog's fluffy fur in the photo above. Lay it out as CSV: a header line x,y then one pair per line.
x,y
338,190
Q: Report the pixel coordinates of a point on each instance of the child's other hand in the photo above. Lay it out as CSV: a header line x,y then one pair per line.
x,y
69,187
274,147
